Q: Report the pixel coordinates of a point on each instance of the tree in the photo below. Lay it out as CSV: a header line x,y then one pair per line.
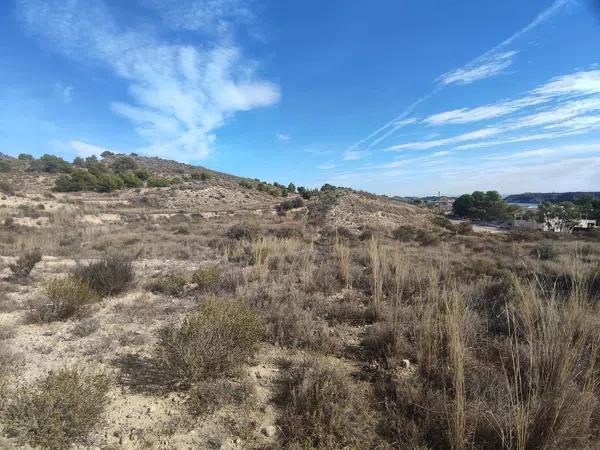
x,y
291,188
462,205
25,157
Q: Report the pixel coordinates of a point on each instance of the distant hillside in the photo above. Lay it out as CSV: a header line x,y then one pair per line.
x,y
554,197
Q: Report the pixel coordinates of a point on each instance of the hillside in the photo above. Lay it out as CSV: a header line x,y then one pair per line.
x,y
223,312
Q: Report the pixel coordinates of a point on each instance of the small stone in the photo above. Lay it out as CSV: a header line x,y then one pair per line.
x,y
405,364
269,431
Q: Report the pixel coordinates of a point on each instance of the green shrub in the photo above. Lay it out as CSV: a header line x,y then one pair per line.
x,y
159,182
205,397
123,163
51,164
5,166
108,276
207,278
23,266
66,297
213,342
108,182
169,285
25,157
58,411
78,180
142,174
130,180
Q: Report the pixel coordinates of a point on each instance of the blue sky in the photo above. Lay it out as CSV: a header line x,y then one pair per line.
x,y
406,97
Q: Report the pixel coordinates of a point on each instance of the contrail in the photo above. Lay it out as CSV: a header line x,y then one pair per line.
x,y
388,129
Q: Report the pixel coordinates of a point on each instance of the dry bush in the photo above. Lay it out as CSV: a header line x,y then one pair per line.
x,y
206,397
207,278
85,327
322,407
66,297
213,342
405,233
58,411
173,285
107,276
464,228
245,231
23,266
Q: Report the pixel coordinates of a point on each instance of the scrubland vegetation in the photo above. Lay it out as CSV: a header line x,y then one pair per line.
x,y
294,327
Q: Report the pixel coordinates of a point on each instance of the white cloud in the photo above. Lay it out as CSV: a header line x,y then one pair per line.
x,y
85,149
525,154
425,145
180,95
353,155
201,15
582,82
283,137
484,67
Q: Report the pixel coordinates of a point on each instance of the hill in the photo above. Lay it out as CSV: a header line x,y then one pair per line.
x,y
224,312
553,197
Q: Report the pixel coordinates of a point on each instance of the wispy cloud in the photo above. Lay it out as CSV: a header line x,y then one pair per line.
x,y
484,67
497,59
283,137
327,166
425,145
85,149
490,63
180,94
353,155
65,92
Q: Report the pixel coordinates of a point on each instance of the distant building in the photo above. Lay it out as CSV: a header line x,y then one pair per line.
x,y
443,204
554,224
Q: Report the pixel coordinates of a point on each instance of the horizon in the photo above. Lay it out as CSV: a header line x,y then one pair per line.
x,y
404,99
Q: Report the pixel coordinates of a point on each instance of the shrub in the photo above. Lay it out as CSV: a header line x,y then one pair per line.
x,y
108,276
130,180
404,233
60,410
5,166
66,297
243,231
210,343
206,397
6,188
323,408
51,164
545,251
142,174
25,264
25,157
158,182
78,180
169,285
427,238
108,182
207,278
464,228
123,163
